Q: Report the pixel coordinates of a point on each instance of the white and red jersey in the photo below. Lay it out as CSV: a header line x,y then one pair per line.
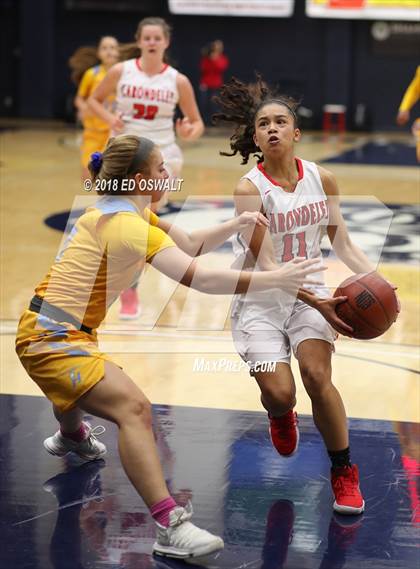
x,y
147,103
298,219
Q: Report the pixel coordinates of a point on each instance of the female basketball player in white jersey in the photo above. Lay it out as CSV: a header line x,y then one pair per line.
x,y
147,93
301,201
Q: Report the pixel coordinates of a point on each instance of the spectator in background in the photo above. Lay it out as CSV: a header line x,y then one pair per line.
x,y
213,64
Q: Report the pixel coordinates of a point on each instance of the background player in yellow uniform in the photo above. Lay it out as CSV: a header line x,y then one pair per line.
x,y
411,96
95,130
105,252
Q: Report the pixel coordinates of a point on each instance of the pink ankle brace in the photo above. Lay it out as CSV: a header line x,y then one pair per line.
x,y
160,511
78,436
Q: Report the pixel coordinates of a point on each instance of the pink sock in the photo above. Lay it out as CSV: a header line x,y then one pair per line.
x,y
78,436
160,511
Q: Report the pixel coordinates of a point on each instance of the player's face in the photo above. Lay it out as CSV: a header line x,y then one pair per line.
x,y
275,129
152,41
108,52
156,171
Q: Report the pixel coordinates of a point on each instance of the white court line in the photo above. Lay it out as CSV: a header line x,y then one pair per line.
x,y
5,330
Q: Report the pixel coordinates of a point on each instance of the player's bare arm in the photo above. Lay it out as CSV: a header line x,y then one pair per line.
x,y
81,105
100,94
337,231
191,126
246,197
338,235
203,241
183,269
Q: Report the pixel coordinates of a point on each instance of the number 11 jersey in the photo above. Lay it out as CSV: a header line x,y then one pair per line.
x,y
298,219
147,103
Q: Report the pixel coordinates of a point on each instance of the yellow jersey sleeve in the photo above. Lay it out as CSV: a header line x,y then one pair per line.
x,y
150,217
412,95
128,236
158,240
86,84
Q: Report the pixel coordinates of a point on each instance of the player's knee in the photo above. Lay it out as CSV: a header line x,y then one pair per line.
x,y
316,379
137,409
279,395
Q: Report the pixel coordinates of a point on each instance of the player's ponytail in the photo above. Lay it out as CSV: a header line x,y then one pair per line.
x,y
123,156
129,51
239,103
83,59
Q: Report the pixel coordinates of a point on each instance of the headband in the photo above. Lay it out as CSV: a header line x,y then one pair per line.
x,y
293,112
142,154
280,102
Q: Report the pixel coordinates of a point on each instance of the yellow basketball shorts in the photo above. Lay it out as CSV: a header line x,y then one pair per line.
x,y
93,141
63,361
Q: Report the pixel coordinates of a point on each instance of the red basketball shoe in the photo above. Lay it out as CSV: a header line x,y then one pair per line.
x,y
345,485
284,433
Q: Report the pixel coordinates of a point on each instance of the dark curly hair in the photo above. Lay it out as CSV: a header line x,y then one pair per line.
x,y
240,103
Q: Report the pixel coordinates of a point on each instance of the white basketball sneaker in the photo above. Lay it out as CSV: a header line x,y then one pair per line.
x,y
182,539
89,449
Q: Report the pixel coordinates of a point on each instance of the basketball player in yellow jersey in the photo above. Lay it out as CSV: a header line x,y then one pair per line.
x,y
57,340
96,131
411,96
147,94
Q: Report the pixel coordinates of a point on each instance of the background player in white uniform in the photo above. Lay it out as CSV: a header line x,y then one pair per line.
x,y
301,201
147,93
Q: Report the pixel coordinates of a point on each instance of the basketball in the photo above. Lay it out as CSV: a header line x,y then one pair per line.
x,y
371,306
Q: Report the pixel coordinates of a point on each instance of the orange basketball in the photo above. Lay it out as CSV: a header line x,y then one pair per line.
x,y
371,306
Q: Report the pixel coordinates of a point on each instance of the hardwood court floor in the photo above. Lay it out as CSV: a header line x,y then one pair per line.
x,y
273,513
215,449
41,177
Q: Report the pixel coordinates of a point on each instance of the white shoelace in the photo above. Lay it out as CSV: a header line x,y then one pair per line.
x,y
98,430
94,433
184,515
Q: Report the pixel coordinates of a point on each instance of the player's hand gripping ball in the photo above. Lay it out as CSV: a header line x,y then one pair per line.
x,y
371,306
